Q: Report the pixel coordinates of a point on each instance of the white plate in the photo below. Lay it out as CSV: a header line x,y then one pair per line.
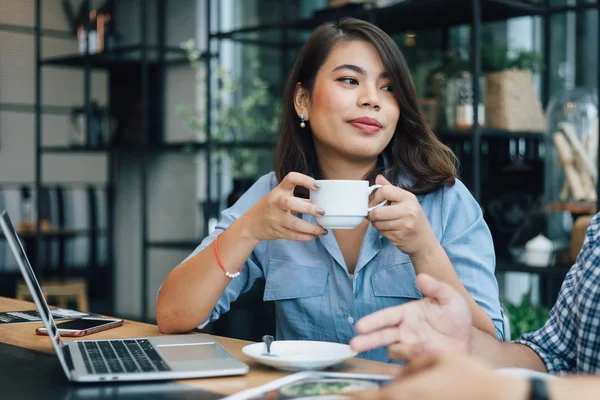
x,y
523,373
300,355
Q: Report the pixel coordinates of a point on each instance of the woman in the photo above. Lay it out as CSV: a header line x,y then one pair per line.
x,y
349,112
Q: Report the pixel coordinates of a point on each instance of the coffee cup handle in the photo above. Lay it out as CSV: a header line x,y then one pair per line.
x,y
383,203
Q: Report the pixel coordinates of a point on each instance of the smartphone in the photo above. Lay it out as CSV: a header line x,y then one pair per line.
x,y
83,326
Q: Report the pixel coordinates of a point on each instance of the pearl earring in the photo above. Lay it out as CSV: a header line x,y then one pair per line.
x,y
302,118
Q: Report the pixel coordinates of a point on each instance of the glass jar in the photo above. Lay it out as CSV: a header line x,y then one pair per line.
x,y
571,158
463,112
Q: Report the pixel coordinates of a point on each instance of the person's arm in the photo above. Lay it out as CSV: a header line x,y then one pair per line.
x,y
566,343
456,376
504,354
568,340
190,291
577,387
457,223
436,263
554,347
198,290
441,321
469,248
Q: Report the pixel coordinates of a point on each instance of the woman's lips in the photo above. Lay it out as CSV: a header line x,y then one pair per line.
x,y
365,128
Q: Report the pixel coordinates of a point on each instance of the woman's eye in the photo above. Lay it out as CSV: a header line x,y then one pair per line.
x,y
387,88
350,81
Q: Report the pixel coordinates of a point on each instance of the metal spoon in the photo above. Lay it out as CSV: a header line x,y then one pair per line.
x,y
268,339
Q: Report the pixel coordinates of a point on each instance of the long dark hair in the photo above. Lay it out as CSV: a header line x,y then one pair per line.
x,y
413,149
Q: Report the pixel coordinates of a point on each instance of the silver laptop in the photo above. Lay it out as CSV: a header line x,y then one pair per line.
x,y
135,359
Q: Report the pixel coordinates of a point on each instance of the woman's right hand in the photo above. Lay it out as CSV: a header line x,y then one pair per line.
x,y
275,216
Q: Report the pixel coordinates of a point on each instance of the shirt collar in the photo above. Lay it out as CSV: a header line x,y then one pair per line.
x,y
370,247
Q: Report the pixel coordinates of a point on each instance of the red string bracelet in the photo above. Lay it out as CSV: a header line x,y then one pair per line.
x,y
227,273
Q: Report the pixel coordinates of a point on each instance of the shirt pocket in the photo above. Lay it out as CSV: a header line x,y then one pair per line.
x,y
395,285
298,292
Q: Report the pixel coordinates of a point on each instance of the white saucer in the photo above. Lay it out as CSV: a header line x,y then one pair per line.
x,y
524,373
300,355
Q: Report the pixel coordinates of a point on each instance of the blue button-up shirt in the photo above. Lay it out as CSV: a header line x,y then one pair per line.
x,y
315,296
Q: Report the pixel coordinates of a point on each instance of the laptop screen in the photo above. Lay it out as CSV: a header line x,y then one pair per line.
x,y
34,286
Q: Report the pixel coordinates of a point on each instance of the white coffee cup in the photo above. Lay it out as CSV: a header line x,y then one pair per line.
x,y
346,202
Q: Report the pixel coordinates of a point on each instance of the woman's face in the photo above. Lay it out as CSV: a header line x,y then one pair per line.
x,y
352,111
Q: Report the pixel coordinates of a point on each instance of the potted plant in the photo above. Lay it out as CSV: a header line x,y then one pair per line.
x,y
241,112
511,101
441,88
526,316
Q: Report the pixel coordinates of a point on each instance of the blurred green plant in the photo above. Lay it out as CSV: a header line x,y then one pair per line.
x,y
241,111
452,66
525,317
496,59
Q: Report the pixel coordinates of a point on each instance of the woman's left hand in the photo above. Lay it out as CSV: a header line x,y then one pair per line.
x,y
402,221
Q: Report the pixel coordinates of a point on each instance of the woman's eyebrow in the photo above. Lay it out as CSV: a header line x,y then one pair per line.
x,y
351,67
358,70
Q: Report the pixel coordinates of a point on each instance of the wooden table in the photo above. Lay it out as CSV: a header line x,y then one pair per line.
x,y
23,335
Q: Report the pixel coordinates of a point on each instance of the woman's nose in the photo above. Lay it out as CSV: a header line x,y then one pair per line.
x,y
369,97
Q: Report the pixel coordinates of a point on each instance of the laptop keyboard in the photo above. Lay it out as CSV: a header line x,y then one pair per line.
x,y
121,356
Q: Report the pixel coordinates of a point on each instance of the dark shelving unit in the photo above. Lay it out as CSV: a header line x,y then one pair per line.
x,y
16,107
551,277
143,64
149,61
488,133
427,15
177,147
120,57
99,277
125,64
60,233
54,33
545,272
419,15
182,244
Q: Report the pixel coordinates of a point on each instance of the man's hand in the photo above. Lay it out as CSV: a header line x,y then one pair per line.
x,y
439,321
449,376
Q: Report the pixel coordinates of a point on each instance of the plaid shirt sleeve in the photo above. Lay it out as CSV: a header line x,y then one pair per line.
x,y
569,342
